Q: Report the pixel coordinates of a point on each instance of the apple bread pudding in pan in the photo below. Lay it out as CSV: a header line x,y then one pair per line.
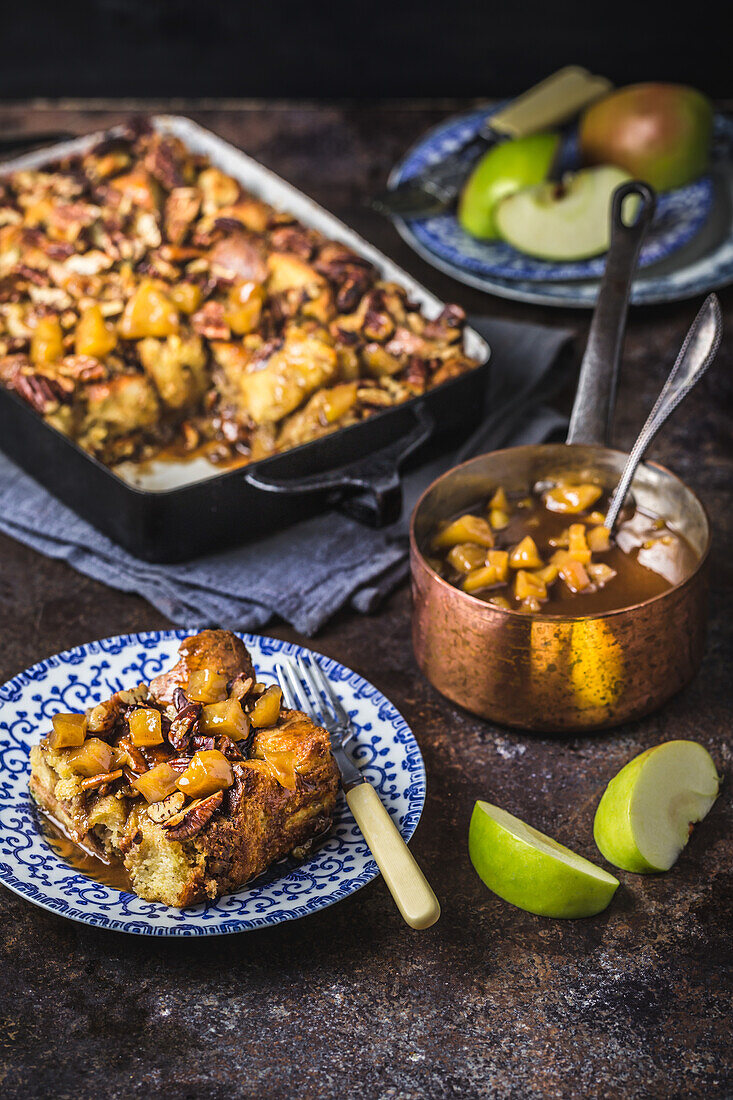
x,y
197,781
149,304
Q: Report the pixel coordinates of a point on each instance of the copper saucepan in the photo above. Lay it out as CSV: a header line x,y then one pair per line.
x,y
556,672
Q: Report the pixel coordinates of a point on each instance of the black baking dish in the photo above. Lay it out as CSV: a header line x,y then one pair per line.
x,y
356,468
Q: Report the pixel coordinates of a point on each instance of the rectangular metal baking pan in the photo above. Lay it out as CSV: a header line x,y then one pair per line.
x,y
173,511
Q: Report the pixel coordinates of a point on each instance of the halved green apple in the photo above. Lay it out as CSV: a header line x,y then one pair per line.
x,y
506,168
563,221
644,818
533,871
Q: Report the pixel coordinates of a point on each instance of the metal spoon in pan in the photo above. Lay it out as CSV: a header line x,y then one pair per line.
x,y
696,354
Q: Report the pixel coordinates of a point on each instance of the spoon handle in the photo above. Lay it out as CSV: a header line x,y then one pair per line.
x,y
695,356
595,397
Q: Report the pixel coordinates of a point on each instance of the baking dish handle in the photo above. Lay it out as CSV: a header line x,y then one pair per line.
x,y
369,489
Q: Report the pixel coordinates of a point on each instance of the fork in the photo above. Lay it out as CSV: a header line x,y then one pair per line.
x,y
306,687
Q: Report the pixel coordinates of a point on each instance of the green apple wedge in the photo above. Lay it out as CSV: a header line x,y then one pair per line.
x,y
506,168
532,871
564,221
644,818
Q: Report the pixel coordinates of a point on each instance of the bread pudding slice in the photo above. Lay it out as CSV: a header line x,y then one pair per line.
x,y
197,781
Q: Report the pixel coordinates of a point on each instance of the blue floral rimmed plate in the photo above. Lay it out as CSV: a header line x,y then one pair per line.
x,y
383,748
679,216
699,261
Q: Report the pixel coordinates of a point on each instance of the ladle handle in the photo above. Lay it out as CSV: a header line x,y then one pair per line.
x,y
592,414
696,355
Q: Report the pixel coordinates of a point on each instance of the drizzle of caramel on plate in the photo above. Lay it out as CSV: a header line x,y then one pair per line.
x,y
111,873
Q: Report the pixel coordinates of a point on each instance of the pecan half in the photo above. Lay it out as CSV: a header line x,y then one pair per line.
x,y
183,726
200,742
209,322
239,686
100,780
136,762
230,748
180,699
167,808
163,160
292,238
194,817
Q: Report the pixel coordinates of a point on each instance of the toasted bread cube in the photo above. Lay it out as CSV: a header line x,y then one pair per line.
x,y
121,405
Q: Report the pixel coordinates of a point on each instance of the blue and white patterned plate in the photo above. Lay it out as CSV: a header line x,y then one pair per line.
x,y
679,217
384,749
700,261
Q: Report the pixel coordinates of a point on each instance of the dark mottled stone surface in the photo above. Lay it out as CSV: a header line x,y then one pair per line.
x,y
492,1001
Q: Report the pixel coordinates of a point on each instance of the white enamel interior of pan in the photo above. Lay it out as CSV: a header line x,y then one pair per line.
x,y
160,476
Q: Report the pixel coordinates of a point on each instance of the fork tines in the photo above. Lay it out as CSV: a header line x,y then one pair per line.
x,y
306,687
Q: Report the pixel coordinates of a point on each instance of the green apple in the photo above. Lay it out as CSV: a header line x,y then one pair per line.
x,y
563,221
658,132
506,168
645,816
531,870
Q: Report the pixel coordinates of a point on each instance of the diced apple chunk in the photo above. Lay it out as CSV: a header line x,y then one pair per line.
x,y
158,783
466,528
94,757
466,556
283,766
69,730
499,559
599,539
145,726
572,498
225,718
525,555
485,577
528,585
577,544
207,686
266,709
208,772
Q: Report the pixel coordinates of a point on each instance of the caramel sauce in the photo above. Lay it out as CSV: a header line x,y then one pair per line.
x,y
109,873
642,571
176,452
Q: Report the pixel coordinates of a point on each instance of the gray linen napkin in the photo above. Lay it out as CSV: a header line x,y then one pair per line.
x,y
306,574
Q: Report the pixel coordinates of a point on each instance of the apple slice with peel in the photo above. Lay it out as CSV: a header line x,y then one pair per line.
x,y
564,221
531,870
644,818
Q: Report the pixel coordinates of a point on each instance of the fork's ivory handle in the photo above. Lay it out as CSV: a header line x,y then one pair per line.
x,y
405,881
